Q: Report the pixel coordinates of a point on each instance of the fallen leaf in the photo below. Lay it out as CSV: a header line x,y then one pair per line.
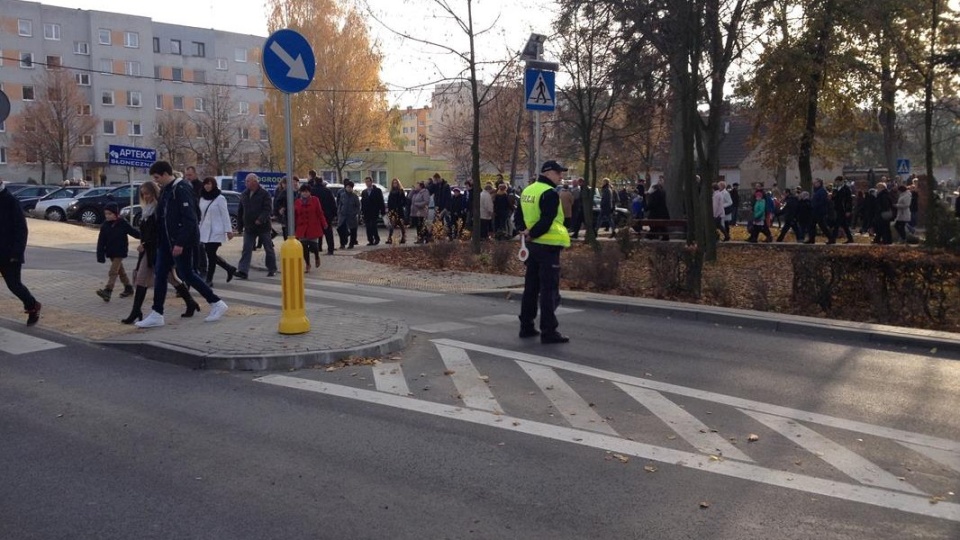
x,y
704,504
935,499
484,378
650,468
449,372
622,458
715,458
753,437
516,423
671,437
933,350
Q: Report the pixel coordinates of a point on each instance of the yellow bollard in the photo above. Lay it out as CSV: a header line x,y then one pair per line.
x,y
293,316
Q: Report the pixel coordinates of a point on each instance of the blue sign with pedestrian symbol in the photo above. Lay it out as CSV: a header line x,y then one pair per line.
x,y
540,91
903,166
288,61
131,156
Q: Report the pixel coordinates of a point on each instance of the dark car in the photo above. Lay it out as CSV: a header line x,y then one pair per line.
x,y
30,203
233,207
89,210
29,195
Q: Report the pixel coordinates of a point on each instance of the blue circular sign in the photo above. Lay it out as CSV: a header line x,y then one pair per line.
x,y
288,61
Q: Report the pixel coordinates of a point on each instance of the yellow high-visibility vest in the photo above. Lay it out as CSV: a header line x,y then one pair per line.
x,y
557,234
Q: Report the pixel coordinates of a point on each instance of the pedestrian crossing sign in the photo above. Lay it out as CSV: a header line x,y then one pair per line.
x,y
903,166
540,90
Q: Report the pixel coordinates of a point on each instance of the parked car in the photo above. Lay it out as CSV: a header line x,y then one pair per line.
x,y
233,207
89,210
54,209
61,194
29,195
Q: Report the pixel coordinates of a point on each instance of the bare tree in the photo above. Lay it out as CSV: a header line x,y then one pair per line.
x,y
170,137
56,120
220,131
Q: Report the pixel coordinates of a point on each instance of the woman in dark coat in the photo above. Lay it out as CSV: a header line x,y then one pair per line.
x,y
657,208
13,245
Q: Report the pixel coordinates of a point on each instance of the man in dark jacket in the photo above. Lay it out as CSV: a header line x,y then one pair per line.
x,y
329,204
821,211
13,245
788,211
178,231
372,206
253,218
843,206
657,208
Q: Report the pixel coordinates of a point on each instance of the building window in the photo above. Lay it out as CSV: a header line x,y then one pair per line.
x,y
174,46
199,76
244,107
244,134
53,62
261,109
3,155
84,110
28,92
103,36
159,102
156,45
26,60
242,81
156,73
178,103
199,49
198,130
83,79
109,128
106,66
264,134
51,31
134,98
221,64
85,140
136,129
132,67
177,74
106,98
25,27
198,105
405,130
240,55
81,47
131,40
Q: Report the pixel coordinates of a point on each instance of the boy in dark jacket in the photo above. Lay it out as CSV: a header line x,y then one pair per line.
x,y
112,244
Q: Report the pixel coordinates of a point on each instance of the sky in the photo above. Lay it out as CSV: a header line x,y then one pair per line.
x,y
409,68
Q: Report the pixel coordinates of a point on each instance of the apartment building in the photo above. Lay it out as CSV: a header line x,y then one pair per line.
x,y
133,72
416,129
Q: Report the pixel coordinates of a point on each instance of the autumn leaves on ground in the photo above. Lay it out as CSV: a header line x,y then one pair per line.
x,y
745,276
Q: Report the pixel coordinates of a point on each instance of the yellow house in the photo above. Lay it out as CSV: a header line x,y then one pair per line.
x,y
384,165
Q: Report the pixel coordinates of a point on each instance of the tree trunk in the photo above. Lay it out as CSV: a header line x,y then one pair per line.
x,y
928,81
820,51
475,137
888,114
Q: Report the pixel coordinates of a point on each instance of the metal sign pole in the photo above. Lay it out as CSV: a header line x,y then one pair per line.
x,y
536,166
288,128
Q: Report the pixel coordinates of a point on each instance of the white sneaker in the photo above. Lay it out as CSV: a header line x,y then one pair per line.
x,y
152,320
216,311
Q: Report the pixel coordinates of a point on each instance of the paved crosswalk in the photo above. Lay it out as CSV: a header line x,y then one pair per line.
x,y
18,343
846,473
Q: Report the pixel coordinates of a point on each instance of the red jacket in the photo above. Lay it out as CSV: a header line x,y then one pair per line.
x,y
310,219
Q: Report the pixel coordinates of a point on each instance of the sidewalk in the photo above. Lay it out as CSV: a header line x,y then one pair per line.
x,y
247,337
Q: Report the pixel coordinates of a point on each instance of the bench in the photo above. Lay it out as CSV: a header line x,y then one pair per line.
x,y
664,228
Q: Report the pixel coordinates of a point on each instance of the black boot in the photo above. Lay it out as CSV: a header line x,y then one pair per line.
x,y
192,305
127,291
136,313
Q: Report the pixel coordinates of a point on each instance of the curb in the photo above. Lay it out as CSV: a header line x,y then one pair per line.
x,y
196,359
795,324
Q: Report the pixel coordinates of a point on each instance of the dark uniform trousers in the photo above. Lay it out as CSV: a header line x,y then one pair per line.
x,y
541,287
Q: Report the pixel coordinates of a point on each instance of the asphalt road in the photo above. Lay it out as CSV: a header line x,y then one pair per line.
x,y
636,429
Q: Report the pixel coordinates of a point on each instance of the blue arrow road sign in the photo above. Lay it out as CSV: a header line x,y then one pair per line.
x,y
288,61
131,156
540,92
903,166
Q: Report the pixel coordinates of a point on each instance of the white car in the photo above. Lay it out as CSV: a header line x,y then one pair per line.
x,y
56,209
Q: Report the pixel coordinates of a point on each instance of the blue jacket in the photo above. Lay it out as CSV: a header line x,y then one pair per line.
x,y
179,225
820,202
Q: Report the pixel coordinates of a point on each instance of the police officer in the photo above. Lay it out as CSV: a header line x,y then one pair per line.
x,y
546,237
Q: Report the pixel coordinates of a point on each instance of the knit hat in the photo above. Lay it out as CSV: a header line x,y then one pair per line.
x,y
112,208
